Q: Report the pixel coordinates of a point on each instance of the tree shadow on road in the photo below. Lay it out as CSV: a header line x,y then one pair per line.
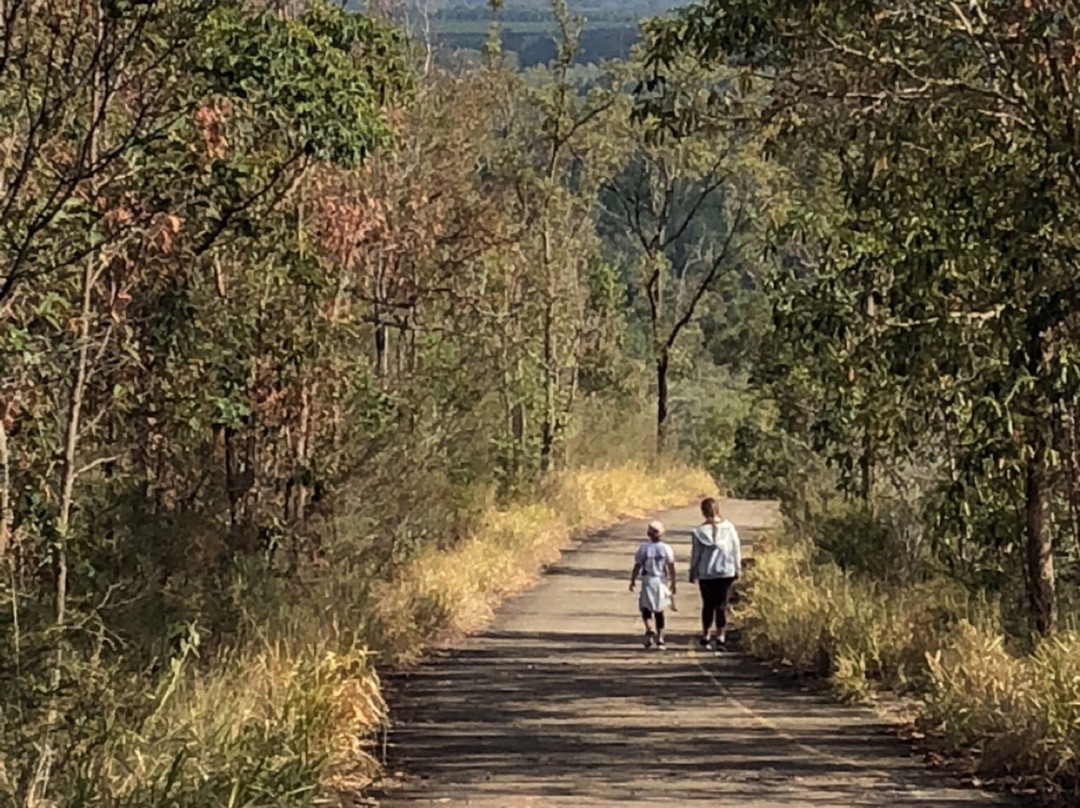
x,y
543,714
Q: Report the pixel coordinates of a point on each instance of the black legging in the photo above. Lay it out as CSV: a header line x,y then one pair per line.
x,y
646,614
714,601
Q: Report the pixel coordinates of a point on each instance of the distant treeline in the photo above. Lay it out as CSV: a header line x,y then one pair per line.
x,y
538,47
539,13
528,29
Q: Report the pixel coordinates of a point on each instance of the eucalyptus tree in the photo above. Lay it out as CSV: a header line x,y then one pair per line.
x,y
562,184
950,269
690,189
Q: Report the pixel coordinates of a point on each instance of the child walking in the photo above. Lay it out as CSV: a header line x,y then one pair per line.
x,y
655,561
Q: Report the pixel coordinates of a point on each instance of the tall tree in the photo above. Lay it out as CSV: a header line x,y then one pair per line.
x,y
951,131
680,198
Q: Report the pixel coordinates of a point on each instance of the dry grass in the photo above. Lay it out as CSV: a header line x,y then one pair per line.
x,y
932,639
863,634
272,726
1022,712
456,591
290,710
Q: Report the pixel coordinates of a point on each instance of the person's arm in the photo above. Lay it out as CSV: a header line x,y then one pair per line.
x,y
695,555
670,559
738,552
633,575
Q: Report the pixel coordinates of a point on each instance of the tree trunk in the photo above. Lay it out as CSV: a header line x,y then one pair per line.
x,y
68,470
518,428
1072,459
232,486
869,470
5,492
868,464
1040,549
547,427
661,402
382,356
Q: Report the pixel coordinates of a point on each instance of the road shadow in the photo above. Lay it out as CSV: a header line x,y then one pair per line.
x,y
542,714
577,713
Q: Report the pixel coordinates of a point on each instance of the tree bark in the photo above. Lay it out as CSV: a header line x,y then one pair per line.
x,y
869,459
661,402
868,464
1072,459
68,470
1040,548
547,427
382,357
1038,538
231,488
5,492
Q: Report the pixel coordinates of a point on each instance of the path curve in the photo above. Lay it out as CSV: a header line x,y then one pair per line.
x,y
557,704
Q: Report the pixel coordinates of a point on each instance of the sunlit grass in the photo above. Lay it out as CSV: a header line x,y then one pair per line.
x,y
456,591
933,639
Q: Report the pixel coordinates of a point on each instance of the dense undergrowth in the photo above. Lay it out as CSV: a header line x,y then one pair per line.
x,y
292,707
978,685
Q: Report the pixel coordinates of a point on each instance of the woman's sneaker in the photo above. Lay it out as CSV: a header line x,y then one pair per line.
x,y
660,644
703,642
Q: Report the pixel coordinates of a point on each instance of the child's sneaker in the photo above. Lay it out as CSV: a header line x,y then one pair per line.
x,y
648,639
660,644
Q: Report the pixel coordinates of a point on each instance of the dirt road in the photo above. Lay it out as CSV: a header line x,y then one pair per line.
x,y
559,705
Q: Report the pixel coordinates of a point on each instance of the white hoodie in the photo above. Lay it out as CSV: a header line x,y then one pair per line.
x,y
716,552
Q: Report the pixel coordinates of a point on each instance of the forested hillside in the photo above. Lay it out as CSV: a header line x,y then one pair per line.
x,y
291,323
529,34
923,359
315,342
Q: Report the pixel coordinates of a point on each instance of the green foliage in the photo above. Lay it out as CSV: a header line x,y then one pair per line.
x,y
729,430
923,283
323,76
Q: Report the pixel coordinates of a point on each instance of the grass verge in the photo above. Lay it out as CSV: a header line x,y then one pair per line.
x,y
933,640
291,706
455,591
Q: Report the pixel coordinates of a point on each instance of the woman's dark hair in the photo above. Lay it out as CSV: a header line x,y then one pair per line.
x,y
709,508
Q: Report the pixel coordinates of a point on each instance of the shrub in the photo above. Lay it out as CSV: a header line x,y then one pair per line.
x,y
281,721
820,619
1023,712
932,638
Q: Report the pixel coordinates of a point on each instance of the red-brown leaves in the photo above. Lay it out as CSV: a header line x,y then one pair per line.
x,y
209,120
346,224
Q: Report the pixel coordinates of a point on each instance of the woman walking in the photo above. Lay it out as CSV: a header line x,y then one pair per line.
x,y
715,563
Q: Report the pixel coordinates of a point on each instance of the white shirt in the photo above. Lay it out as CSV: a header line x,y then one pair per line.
x,y
653,557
